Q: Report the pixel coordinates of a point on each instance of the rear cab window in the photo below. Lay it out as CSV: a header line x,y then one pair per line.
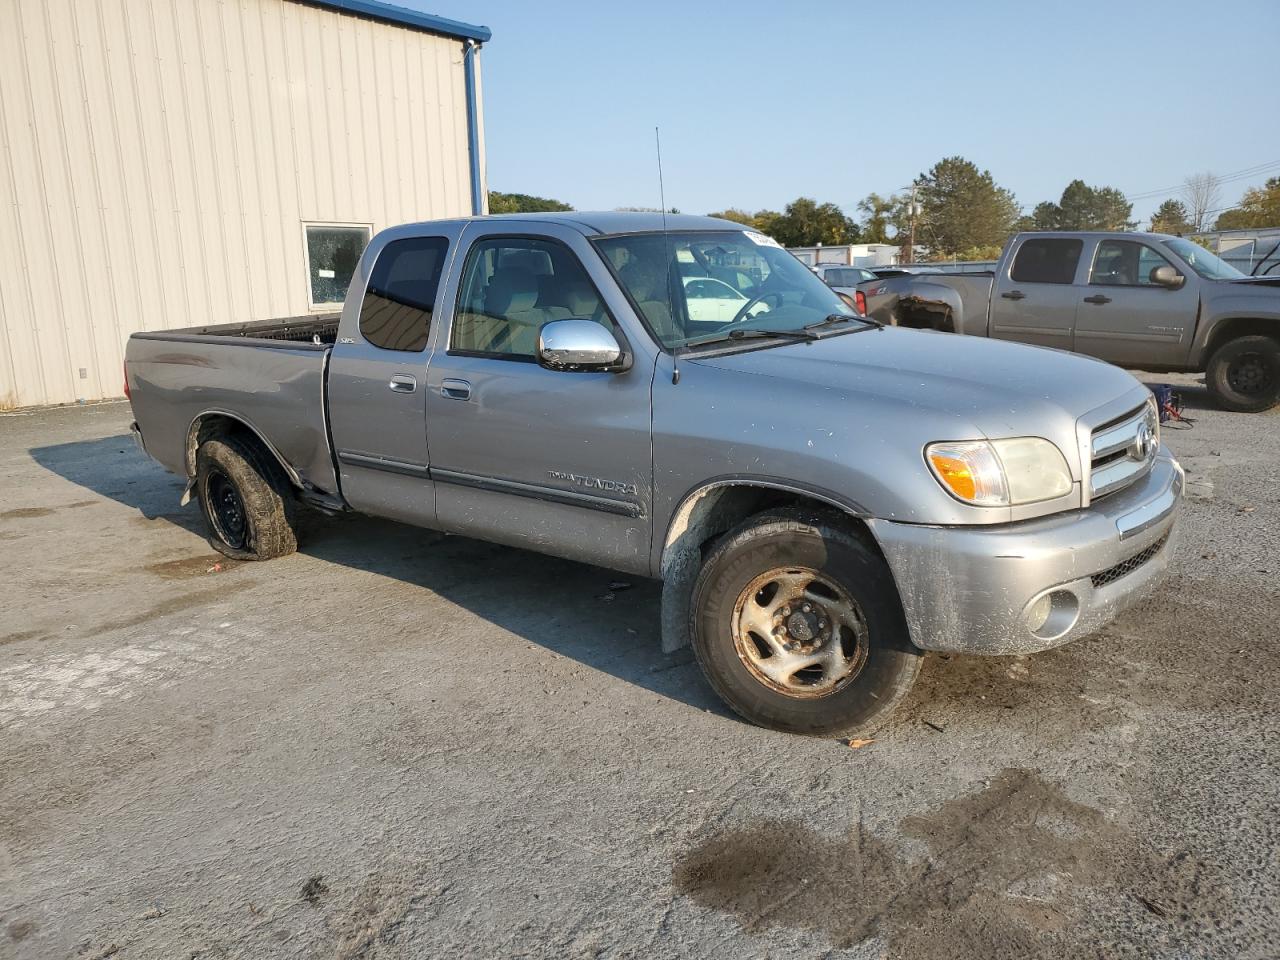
x,y
1046,260
396,311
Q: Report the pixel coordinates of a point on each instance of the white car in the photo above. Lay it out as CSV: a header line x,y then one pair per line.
x,y
713,301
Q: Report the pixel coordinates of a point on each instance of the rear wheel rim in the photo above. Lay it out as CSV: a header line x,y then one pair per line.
x,y
1250,373
800,633
226,510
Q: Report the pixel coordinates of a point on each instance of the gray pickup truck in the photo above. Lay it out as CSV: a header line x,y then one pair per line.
x,y
1141,300
822,497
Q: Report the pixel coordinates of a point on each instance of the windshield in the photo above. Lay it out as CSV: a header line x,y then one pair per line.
x,y
717,283
1202,261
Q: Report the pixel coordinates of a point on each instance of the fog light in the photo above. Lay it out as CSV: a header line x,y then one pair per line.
x,y
1050,616
1039,612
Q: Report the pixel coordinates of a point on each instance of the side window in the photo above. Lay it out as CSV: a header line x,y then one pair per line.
x,y
1125,263
396,311
1046,261
837,278
511,287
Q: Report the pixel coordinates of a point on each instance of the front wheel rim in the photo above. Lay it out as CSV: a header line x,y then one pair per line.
x,y
800,633
1249,373
226,510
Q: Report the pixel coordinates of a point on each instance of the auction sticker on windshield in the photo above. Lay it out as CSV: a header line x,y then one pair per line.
x,y
760,240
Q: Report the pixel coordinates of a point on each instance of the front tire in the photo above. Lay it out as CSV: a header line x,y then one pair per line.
x,y
246,500
1243,374
798,627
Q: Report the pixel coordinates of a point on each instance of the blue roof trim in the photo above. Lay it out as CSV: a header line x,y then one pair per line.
x,y
401,17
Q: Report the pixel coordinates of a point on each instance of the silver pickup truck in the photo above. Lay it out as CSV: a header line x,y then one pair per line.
x,y
822,497
1141,300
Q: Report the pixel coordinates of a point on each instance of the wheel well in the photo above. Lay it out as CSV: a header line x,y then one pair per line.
x,y
921,315
709,514
210,426
1240,327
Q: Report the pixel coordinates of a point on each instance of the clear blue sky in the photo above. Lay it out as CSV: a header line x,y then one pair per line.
x,y
762,102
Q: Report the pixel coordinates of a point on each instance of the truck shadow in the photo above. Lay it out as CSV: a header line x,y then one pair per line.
x,y
604,620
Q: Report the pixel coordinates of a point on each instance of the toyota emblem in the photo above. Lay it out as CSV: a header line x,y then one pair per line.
x,y
1144,442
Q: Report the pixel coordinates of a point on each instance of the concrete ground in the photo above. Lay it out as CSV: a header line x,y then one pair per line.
x,y
398,744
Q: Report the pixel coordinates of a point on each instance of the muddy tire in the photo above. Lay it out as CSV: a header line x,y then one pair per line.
x,y
1244,374
797,626
246,500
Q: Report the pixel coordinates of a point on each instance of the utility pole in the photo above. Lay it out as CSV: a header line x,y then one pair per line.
x,y
911,243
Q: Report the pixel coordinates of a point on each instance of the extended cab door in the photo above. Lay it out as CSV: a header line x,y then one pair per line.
x,y
378,369
1035,294
1125,317
550,460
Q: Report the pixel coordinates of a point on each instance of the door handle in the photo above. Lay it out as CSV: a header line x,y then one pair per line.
x,y
1097,298
403,383
1014,295
455,389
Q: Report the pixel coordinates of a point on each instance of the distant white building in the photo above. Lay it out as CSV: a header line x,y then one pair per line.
x,y
849,254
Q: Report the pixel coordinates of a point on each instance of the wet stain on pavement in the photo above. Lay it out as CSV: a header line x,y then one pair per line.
x,y
185,568
1001,879
26,513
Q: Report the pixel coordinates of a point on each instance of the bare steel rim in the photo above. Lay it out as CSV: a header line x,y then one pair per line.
x,y
799,632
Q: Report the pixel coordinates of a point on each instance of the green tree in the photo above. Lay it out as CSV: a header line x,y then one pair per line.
x,y
1259,207
1046,216
522,203
961,208
1171,217
806,223
737,216
766,220
1083,207
884,217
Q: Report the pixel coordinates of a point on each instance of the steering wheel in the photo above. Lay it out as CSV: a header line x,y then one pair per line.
x,y
746,307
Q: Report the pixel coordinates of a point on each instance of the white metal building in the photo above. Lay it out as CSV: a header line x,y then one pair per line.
x,y
849,255
181,162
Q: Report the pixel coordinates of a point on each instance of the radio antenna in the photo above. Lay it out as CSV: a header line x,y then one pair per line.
x,y
666,255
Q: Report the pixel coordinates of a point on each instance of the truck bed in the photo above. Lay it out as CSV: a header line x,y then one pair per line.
x,y
269,375
314,328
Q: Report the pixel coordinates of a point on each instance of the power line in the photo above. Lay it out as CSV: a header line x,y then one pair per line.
x,y
1245,174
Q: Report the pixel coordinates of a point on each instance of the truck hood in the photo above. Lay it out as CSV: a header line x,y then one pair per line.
x,y
992,388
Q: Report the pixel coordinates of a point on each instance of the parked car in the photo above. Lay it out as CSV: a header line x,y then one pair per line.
x,y
1140,300
823,498
709,300
844,281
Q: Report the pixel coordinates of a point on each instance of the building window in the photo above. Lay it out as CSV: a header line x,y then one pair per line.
x,y
333,250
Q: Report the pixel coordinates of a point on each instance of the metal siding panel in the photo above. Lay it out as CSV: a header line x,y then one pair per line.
x,y
39,176
161,155
24,381
290,284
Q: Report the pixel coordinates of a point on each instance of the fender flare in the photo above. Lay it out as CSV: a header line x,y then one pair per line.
x,y
193,433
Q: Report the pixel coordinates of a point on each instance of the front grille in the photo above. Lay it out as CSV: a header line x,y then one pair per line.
x,y
1126,567
1122,450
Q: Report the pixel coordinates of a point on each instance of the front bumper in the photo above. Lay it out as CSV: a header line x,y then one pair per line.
x,y
976,589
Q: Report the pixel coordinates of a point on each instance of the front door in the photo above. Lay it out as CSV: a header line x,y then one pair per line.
x,y
377,375
549,460
1036,301
1125,318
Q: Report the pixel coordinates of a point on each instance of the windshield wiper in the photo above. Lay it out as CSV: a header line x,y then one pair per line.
x,y
834,318
754,333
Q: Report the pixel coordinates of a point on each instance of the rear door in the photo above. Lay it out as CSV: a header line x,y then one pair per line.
x,y
1036,292
550,460
1126,319
377,373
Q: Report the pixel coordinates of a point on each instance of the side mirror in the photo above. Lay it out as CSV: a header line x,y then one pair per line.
x,y
1165,276
579,346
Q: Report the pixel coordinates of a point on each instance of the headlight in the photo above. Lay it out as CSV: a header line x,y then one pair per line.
x,y
1000,473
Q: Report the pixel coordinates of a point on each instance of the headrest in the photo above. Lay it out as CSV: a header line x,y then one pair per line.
x,y
582,300
511,289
